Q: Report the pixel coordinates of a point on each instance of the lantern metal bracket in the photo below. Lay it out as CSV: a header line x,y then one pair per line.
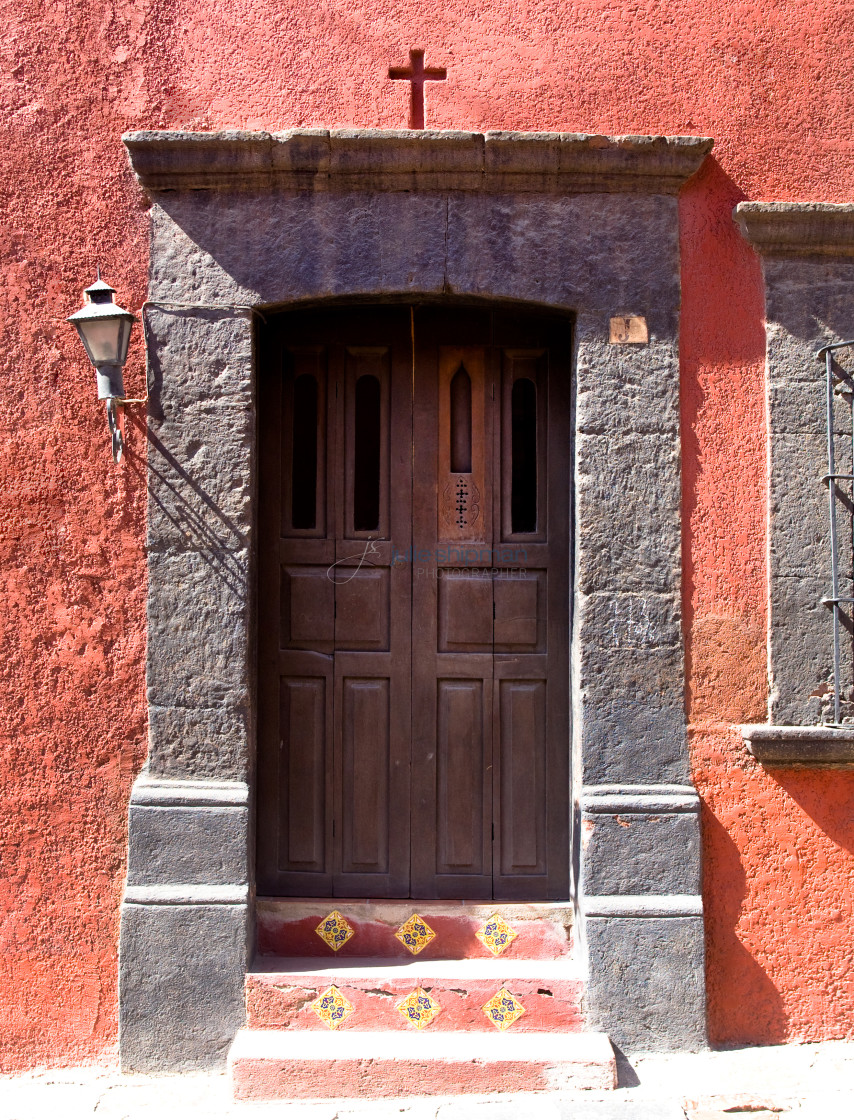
x,y
116,438
118,443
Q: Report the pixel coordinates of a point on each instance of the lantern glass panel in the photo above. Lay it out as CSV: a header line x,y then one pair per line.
x,y
101,339
124,339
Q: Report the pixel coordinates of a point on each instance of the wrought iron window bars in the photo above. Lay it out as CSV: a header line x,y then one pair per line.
x,y
835,600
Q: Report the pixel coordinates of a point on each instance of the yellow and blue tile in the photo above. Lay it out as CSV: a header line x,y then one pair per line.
x,y
419,1008
335,930
496,935
332,1008
415,934
503,1009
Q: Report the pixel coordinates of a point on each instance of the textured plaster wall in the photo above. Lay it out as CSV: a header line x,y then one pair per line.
x,y
72,634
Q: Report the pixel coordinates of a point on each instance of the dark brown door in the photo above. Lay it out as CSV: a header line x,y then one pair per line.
x,y
413,605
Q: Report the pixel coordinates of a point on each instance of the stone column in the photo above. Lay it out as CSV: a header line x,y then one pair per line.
x,y
637,852
185,915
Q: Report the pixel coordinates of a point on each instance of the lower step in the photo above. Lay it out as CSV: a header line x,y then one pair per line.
x,y
281,1065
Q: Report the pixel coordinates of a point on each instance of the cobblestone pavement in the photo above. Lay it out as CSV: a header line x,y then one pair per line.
x,y
805,1082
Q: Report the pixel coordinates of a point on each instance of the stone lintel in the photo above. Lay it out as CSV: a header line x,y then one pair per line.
x,y
800,746
798,228
379,160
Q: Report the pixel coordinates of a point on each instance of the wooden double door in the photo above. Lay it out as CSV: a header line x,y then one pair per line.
x,y
413,604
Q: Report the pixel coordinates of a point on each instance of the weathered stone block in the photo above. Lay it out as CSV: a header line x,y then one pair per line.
x,y
194,741
801,642
629,689
198,630
188,844
205,503
627,532
640,853
626,737
621,389
588,251
198,356
269,249
624,621
181,973
800,520
653,970
800,407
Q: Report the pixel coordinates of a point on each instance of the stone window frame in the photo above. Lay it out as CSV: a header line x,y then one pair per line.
x,y
807,255
582,224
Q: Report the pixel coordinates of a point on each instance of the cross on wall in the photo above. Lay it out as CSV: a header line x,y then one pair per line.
x,y
417,74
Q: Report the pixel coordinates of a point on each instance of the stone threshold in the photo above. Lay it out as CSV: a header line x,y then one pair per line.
x,y
385,160
799,746
393,908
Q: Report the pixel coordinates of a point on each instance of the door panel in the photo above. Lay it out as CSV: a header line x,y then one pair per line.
x,y
362,608
302,719
522,766
329,529
461,754
465,612
365,719
307,608
414,605
520,611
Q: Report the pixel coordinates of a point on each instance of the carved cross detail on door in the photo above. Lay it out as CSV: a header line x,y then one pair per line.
x,y
417,74
462,504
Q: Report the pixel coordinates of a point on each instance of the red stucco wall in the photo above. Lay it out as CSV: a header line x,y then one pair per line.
x,y
74,77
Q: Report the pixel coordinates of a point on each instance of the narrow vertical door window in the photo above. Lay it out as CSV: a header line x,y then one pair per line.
x,y
523,501
461,422
366,472
304,464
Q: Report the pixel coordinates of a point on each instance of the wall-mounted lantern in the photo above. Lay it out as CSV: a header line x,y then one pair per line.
x,y
104,330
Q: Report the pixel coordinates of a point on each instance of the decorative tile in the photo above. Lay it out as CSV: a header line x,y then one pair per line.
x,y
332,1008
415,934
503,1009
419,1008
496,935
335,930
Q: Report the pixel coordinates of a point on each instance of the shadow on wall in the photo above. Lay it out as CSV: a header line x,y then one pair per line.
x,y
190,510
827,798
744,1003
722,374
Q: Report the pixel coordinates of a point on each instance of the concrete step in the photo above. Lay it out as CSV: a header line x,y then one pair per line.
x,y
278,1065
283,994
287,927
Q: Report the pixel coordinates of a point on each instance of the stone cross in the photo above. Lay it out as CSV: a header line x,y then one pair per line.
x,y
417,75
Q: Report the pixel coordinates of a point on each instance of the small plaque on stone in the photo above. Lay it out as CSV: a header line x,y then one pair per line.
x,y
628,329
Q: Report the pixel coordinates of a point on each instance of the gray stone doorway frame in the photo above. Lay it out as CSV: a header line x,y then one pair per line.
x,y
243,221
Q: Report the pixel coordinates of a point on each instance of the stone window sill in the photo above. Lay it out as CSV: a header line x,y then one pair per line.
x,y
799,746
